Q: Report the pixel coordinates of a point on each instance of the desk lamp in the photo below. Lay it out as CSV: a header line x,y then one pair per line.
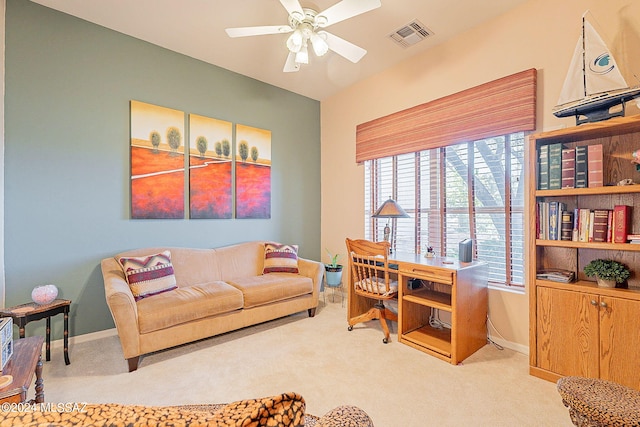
x,y
390,209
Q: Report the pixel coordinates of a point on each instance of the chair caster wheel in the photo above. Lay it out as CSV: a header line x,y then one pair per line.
x,y
350,328
385,340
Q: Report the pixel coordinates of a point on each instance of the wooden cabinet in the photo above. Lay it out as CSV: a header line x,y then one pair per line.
x,y
457,290
579,328
587,334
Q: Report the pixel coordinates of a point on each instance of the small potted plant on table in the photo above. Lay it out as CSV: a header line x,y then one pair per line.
x,y
607,272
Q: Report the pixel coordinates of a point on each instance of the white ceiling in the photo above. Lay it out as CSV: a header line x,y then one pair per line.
x,y
196,28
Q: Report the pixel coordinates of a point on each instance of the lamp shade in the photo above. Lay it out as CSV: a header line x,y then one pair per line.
x,y
295,40
319,44
390,209
302,56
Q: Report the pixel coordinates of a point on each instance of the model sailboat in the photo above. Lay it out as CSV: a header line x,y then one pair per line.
x,y
594,83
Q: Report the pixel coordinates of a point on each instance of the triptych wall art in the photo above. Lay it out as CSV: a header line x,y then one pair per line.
x,y
159,167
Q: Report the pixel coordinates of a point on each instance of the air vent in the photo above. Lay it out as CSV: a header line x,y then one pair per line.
x,y
410,34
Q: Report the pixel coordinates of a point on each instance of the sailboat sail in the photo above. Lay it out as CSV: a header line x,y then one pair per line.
x,y
593,83
602,72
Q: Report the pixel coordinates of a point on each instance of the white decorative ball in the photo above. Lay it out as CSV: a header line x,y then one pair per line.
x,y
44,294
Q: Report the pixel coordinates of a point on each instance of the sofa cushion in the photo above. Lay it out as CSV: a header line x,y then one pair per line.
x,y
187,303
280,258
149,275
259,290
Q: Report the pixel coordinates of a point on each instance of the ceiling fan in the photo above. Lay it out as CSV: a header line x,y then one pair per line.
x,y
306,26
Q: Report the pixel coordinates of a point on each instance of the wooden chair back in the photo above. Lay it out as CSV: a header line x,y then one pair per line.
x,y
369,268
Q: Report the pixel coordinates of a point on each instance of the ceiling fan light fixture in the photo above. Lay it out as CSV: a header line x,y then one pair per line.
x,y
295,41
303,22
319,44
302,56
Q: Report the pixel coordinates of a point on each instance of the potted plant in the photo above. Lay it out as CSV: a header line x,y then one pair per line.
x,y
333,270
608,272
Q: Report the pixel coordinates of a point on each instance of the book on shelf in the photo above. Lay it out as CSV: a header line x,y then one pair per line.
x,y
576,225
553,220
566,227
549,217
633,238
543,220
555,166
583,224
556,275
594,166
581,167
568,167
556,209
621,218
543,167
600,224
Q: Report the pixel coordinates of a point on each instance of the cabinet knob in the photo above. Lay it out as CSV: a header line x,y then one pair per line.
x,y
603,304
593,302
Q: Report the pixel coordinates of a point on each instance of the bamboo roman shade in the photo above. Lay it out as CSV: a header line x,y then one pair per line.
x,y
495,108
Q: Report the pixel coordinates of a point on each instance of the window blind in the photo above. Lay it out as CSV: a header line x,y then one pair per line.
x,y
499,107
473,189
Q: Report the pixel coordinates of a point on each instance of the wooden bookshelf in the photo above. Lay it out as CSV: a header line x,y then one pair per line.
x,y
578,328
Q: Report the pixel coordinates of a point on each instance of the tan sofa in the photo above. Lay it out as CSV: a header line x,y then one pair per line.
x,y
218,290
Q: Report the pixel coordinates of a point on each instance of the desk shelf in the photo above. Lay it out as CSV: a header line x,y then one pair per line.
x,y
429,298
438,340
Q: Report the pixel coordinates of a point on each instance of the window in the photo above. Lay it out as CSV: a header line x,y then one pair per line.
x,y
473,189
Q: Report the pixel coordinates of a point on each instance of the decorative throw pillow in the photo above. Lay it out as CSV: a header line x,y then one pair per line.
x,y
280,258
149,275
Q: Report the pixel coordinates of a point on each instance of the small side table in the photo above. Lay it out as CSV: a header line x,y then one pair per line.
x,y
25,313
26,360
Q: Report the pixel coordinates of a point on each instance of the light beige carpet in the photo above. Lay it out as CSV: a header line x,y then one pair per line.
x,y
317,357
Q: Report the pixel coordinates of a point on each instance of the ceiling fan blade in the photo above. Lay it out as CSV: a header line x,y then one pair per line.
x,y
258,31
345,10
342,47
293,7
291,65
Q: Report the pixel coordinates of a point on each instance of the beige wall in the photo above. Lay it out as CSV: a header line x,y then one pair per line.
x,y
540,34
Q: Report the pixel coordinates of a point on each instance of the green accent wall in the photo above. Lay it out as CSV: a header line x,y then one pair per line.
x,y
68,86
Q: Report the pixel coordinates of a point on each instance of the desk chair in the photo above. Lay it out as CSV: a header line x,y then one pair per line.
x,y
369,278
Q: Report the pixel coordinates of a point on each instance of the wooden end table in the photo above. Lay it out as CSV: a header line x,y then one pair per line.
x,y
25,361
25,313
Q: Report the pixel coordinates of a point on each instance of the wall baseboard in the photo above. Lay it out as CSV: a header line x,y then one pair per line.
x,y
511,345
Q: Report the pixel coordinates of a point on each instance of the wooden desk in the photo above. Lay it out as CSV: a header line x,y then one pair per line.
x,y
25,313
26,360
458,290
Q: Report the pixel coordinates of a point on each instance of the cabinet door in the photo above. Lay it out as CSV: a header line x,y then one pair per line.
x,y
620,341
567,332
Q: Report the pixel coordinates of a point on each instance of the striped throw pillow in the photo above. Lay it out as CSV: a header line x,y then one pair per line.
x,y
149,275
280,258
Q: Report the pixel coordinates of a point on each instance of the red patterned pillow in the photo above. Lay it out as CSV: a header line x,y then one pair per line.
x,y
149,275
280,258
